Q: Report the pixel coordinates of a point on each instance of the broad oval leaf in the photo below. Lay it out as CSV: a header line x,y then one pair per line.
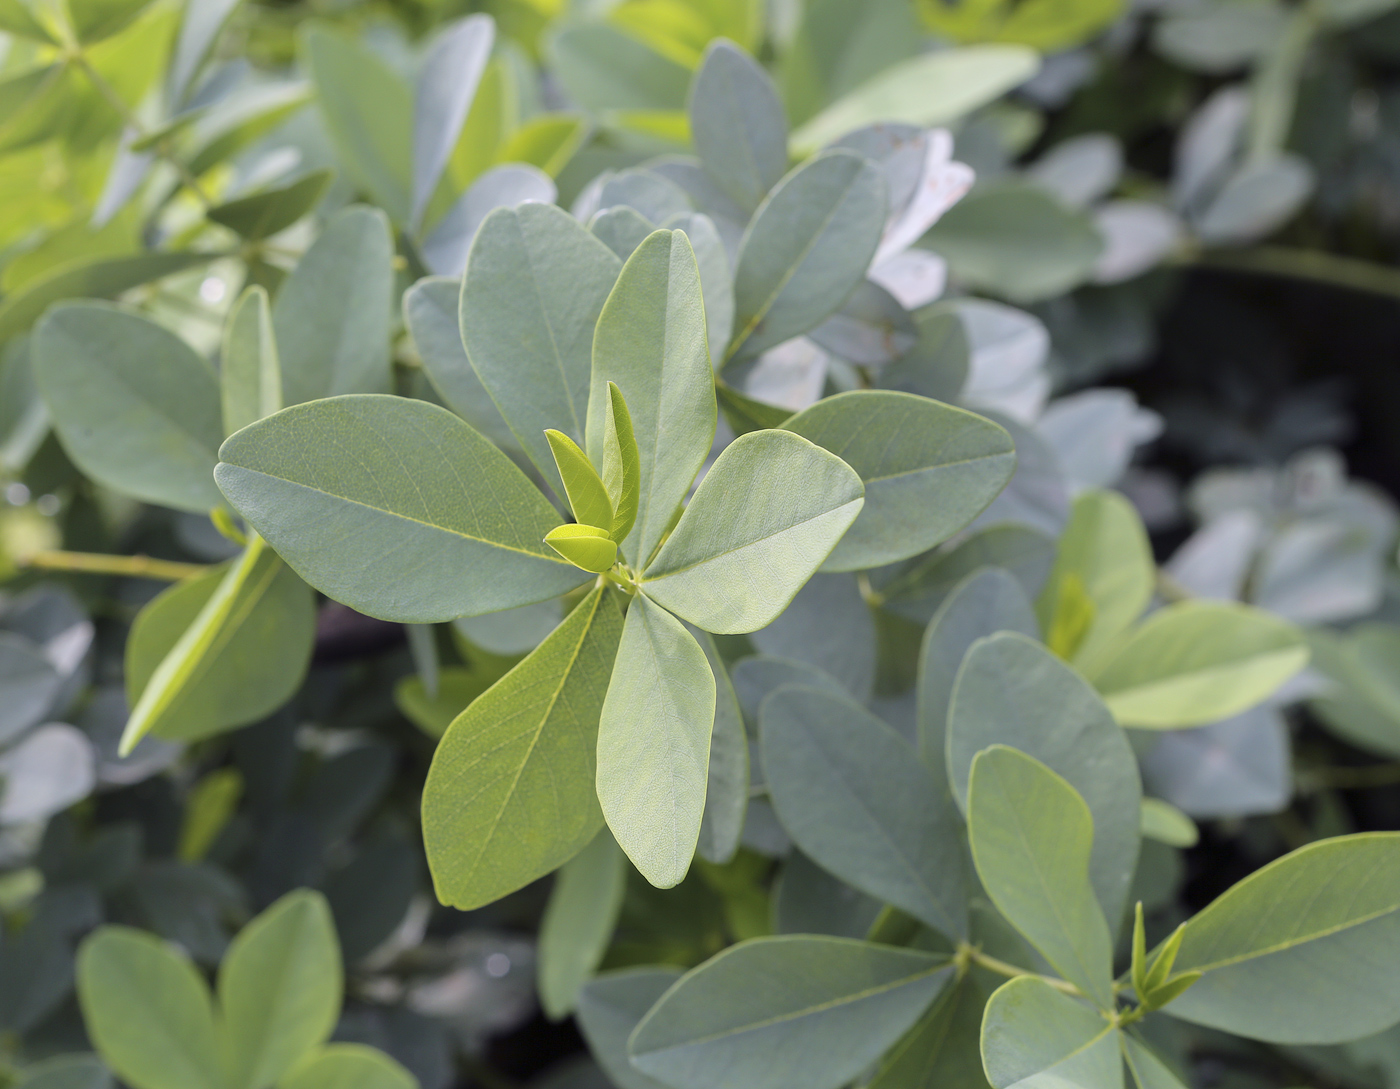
x,y
737,124
1306,950
654,743
928,468
448,524
1031,837
775,1012
1196,662
609,1008
250,374
29,684
332,314
854,796
942,1048
806,249
1010,690
535,284
650,342
136,408
762,521
1035,1037
716,277
446,86
348,1066
148,1011
279,989
531,741
264,214
578,922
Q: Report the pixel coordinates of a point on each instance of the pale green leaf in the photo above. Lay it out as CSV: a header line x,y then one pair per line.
x,y
348,1066
447,83
928,468
264,214
1196,662
535,284
336,486
806,249
737,124
203,19
934,88
602,68
279,989
1034,1037
727,790
1167,824
135,407
332,314
510,795
1010,690
147,1011
1362,704
853,795
578,922
716,277
1031,836
762,521
1304,951
650,342
654,743
828,1006
250,375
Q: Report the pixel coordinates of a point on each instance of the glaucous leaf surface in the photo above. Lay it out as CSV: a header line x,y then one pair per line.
x,y
135,407
446,248
446,85
532,739
854,796
148,1011
535,284
250,373
654,743
716,277
1363,703
1236,768
603,68
1195,662
1031,837
774,1012
1104,548
930,89
348,1066
621,229
578,922
447,522
809,900
28,685
1147,1069
764,518
737,124
279,989
609,1007
650,342
272,210
51,768
759,674
1036,1037
806,249
727,789
1303,950
248,660
1010,690
830,627
941,1050
928,469
988,601
332,314
66,1072
430,312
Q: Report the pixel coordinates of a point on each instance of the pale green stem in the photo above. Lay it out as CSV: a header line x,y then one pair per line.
x,y
94,563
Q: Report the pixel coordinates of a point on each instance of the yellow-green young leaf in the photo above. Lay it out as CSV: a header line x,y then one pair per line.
x,y
1306,950
29,19
447,523
348,1066
94,20
828,1006
654,743
219,651
586,547
510,795
1071,618
1106,549
1037,1037
1031,836
1197,662
250,375
273,210
650,342
1167,824
279,989
767,514
588,497
147,1011
622,466
578,922
1048,25
211,803
547,141
134,406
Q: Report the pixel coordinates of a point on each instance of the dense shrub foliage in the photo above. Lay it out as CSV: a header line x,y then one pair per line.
x,y
696,543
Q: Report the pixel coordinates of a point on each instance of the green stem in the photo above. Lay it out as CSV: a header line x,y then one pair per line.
x,y
969,953
1298,264
94,563
1377,775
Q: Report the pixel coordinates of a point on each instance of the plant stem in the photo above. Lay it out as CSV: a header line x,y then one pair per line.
x,y
93,563
1376,775
1299,264
1002,968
